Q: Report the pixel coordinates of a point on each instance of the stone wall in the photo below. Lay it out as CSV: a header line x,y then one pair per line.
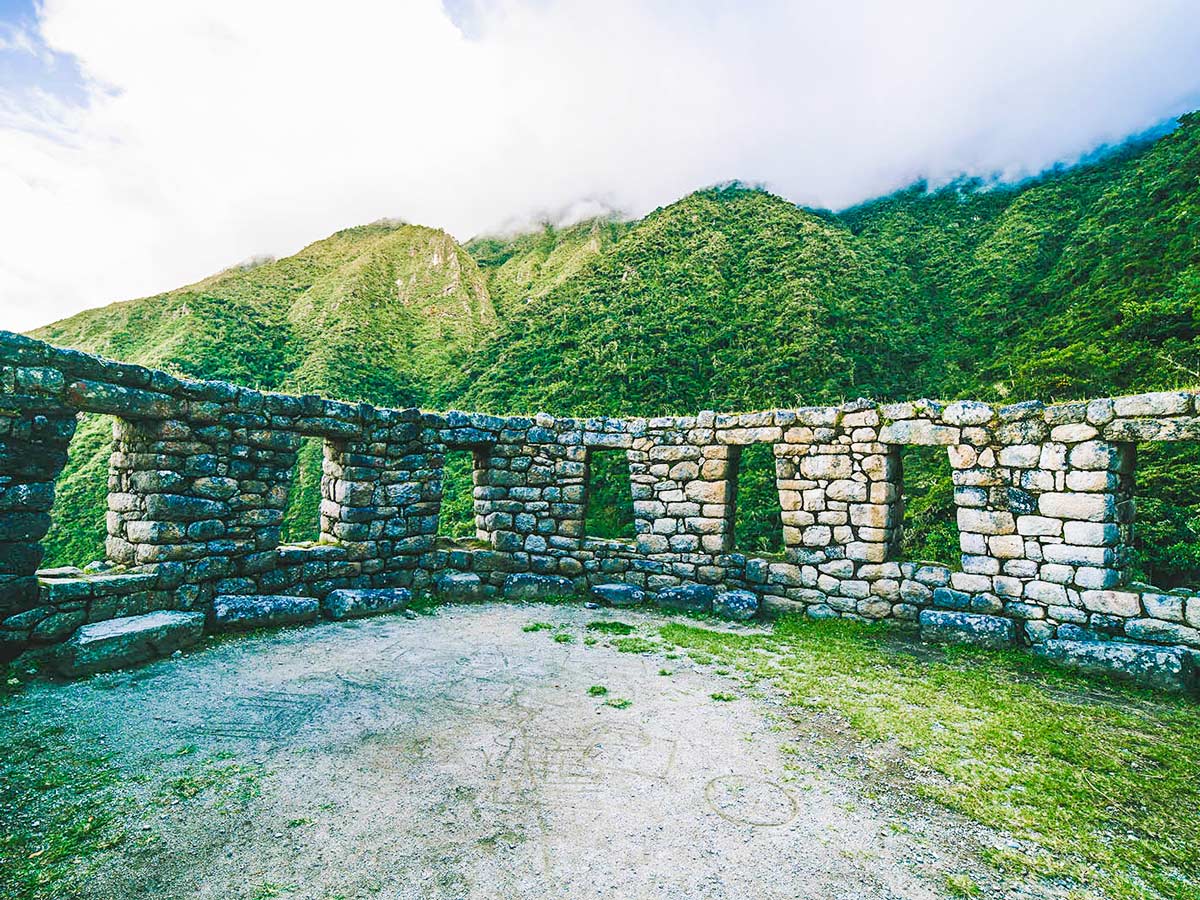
x,y
200,474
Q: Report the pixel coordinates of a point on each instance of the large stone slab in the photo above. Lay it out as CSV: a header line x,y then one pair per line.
x,y
117,643
352,604
687,598
619,594
458,586
740,606
528,586
241,611
941,626
1163,668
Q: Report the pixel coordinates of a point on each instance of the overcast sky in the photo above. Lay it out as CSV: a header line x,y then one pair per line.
x,y
144,145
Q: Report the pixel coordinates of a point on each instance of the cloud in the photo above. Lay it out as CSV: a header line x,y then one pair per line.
x,y
211,132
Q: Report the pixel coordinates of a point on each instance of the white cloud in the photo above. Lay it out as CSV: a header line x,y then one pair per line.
x,y
217,130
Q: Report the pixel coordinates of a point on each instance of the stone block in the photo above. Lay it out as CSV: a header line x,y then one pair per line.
x,y
619,594
528,586
354,603
1112,603
737,605
967,628
986,522
1162,668
458,586
687,598
1162,632
243,611
1080,506
117,643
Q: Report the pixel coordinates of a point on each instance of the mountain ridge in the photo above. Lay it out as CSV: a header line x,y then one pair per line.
x,y
1082,281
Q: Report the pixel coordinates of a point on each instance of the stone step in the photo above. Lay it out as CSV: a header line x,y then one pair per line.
x,y
1161,668
741,606
529,586
945,627
243,611
619,594
117,643
459,586
687,598
352,604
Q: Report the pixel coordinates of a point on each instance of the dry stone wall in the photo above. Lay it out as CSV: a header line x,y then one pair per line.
x,y
200,474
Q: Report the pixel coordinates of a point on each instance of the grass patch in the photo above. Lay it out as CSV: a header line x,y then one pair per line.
x,y
537,626
1097,781
65,804
618,702
960,885
611,627
722,697
60,806
636,645
597,690
564,637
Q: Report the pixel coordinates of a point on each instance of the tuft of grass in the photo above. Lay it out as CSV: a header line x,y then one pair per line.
x,y
962,885
722,697
665,672
618,702
611,627
1096,780
564,637
537,626
636,645
597,690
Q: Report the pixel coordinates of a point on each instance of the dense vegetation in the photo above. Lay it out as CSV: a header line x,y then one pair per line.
x,y
1084,281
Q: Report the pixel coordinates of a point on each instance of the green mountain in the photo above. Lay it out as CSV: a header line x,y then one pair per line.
x,y
381,312
1083,281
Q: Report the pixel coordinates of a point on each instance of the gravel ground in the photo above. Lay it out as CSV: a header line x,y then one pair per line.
x,y
459,756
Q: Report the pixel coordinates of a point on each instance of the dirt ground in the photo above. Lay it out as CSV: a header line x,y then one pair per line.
x,y
457,755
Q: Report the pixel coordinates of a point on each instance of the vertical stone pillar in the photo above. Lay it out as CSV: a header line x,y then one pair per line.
x,y
35,429
840,488
684,508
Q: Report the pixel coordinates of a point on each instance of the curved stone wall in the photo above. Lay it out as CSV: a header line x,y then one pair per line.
x,y
200,473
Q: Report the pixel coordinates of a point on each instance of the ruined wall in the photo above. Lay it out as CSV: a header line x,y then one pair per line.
x,y
200,473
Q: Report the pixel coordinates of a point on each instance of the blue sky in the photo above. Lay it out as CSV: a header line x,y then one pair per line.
x,y
146,144
22,70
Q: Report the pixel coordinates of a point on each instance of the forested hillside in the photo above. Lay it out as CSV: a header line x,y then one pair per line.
x,y
1084,281
380,312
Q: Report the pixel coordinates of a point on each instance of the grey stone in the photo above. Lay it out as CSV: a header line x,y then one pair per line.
x,y
948,598
737,605
351,604
619,594
242,611
1163,668
116,643
967,628
527,586
687,597
458,586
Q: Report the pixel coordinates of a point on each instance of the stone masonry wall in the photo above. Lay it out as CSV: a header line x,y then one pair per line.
x,y
200,474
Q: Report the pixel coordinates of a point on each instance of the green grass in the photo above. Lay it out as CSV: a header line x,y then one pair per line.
x,y
60,806
64,804
537,626
618,702
636,645
611,627
723,697
1100,779
597,690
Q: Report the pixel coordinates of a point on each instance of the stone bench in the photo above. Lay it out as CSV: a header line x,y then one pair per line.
x,y
117,643
244,611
